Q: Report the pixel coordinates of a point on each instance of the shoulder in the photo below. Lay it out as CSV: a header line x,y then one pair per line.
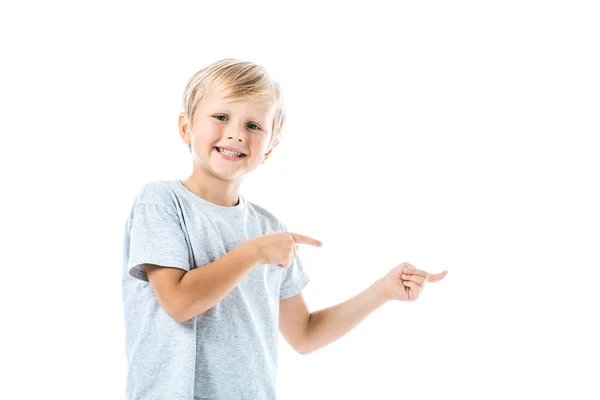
x,y
157,193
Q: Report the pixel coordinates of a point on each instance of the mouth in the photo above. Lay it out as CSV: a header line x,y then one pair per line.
x,y
229,154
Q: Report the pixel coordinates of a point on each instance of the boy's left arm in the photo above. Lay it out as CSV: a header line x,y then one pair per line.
x,y
307,332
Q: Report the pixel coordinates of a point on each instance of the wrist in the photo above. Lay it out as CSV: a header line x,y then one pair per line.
x,y
382,288
253,251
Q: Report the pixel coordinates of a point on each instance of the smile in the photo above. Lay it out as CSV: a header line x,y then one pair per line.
x,y
230,155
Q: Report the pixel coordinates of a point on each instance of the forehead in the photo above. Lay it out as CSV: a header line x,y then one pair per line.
x,y
222,97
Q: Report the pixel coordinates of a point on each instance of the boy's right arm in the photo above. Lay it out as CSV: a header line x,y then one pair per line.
x,y
185,294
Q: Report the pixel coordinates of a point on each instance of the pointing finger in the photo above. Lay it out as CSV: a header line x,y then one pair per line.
x,y
436,277
305,239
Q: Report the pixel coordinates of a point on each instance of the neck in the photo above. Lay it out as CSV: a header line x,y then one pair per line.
x,y
211,188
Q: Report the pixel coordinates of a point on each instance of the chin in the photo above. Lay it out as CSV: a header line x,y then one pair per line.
x,y
227,175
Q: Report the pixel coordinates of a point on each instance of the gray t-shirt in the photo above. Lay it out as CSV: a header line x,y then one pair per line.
x,y
227,352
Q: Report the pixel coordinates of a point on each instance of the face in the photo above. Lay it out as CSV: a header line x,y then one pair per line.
x,y
222,129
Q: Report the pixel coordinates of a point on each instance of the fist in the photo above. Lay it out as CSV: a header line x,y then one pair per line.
x,y
280,248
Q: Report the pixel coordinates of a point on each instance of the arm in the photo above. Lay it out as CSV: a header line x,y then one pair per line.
x,y
307,332
185,294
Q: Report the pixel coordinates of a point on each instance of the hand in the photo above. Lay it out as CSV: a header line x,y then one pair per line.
x,y
280,247
405,282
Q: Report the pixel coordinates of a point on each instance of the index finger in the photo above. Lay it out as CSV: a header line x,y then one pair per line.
x,y
437,277
305,239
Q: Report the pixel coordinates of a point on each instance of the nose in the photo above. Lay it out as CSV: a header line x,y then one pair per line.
x,y
236,133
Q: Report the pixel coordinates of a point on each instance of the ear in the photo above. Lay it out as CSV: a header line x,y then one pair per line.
x,y
268,153
184,129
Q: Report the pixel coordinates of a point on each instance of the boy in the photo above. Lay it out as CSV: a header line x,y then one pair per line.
x,y
209,278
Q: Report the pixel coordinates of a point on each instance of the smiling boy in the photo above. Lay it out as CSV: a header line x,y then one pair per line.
x,y
209,278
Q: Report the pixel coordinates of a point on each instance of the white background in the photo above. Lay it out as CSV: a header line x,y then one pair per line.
x,y
451,135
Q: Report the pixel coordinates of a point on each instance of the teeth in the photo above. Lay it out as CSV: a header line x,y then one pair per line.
x,y
229,153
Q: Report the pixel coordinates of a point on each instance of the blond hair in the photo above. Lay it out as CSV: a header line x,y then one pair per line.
x,y
242,80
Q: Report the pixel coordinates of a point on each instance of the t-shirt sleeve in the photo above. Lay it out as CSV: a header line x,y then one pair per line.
x,y
156,237
294,278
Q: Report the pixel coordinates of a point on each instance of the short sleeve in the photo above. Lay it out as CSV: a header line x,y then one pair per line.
x,y
294,278
156,237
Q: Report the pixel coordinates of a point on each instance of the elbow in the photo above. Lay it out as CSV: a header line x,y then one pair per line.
x,y
177,310
304,348
303,351
180,311
176,313
179,317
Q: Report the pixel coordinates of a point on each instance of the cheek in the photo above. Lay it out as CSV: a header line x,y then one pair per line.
x,y
205,134
259,152
261,143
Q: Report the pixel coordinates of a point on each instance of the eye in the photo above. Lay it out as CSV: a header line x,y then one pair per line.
x,y
221,116
254,129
